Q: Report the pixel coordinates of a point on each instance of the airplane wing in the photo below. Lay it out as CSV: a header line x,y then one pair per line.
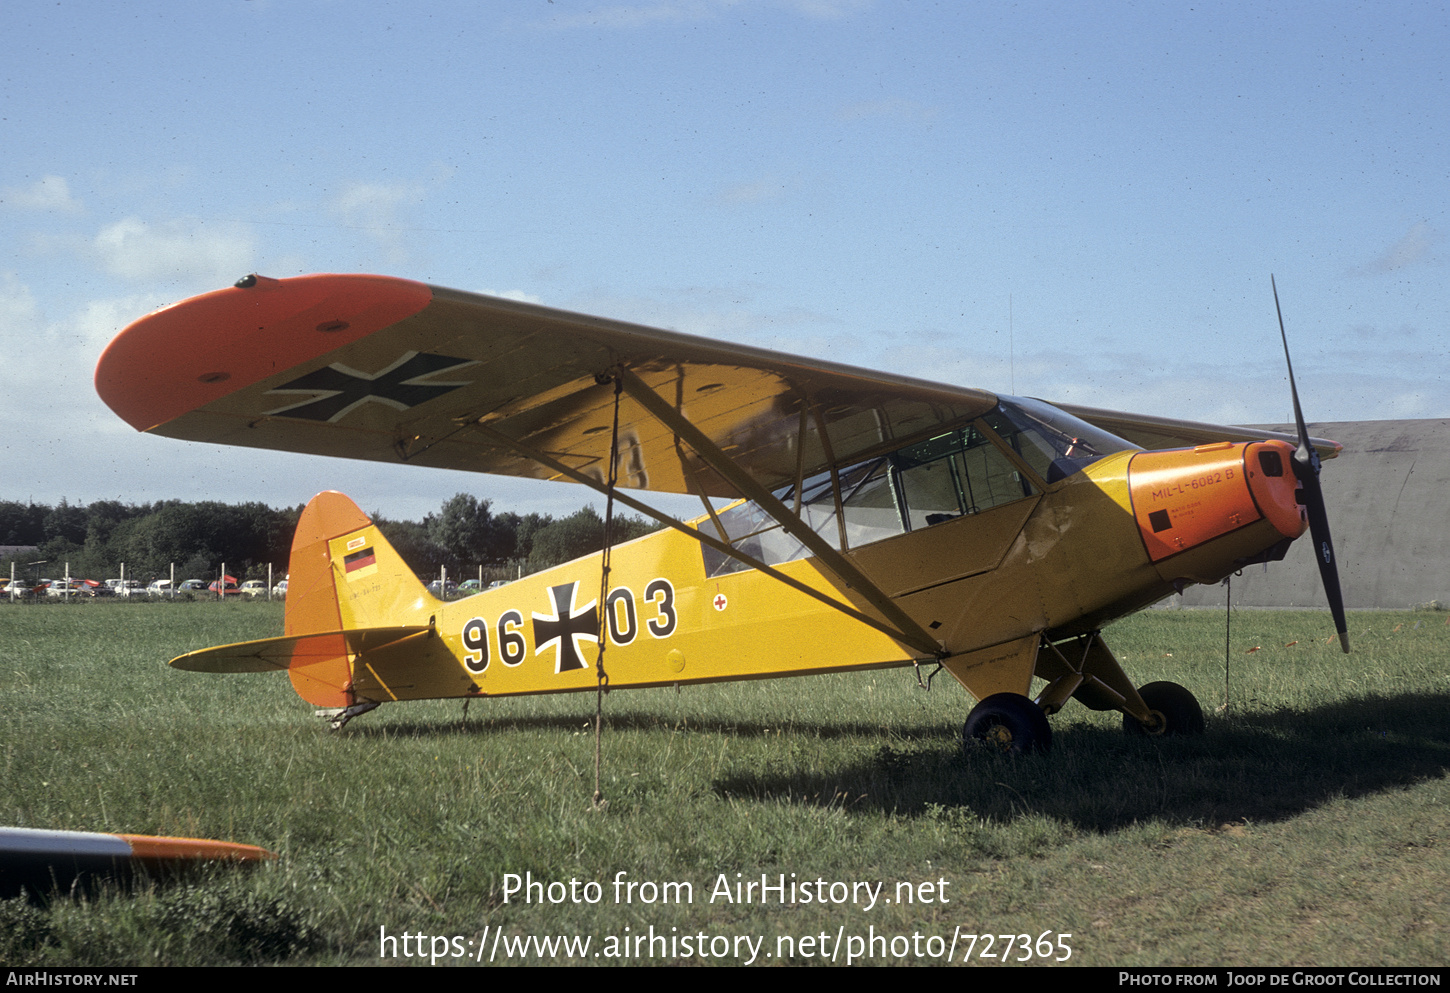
x,y
391,370
1155,433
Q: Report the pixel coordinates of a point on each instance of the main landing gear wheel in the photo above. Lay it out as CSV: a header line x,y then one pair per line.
x,y
1175,711
1008,722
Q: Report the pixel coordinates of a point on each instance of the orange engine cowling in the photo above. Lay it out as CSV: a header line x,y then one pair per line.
x,y
1186,497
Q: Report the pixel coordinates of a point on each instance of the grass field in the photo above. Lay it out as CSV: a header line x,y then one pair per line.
x,y
1309,826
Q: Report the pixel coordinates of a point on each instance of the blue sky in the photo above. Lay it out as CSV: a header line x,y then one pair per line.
x,y
880,183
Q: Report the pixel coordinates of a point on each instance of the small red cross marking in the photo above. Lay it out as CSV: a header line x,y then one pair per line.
x,y
719,601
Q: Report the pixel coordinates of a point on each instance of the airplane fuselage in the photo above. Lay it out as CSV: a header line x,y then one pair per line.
x,y
1061,562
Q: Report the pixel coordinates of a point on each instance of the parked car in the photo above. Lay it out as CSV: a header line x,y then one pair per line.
x,y
192,586
230,589
254,588
130,587
18,589
159,587
280,590
60,587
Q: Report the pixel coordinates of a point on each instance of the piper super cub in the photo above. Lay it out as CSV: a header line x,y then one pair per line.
x,y
878,520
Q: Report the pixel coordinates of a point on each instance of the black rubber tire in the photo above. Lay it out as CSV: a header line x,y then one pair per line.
x,y
1008,723
1178,708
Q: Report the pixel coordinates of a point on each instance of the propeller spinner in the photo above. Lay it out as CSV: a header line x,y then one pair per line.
x,y
1306,469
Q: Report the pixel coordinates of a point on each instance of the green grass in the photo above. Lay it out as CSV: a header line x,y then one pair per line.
x,y
1307,826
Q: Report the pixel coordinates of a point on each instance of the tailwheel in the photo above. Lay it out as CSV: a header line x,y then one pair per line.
x,y
1174,710
337,719
1008,723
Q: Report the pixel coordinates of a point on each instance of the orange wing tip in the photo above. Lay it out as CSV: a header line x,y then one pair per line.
x,y
182,357
41,843
160,849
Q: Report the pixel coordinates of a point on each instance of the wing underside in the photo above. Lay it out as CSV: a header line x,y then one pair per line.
x,y
388,370
384,369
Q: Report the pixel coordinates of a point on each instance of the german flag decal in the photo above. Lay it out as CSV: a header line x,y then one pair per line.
x,y
360,563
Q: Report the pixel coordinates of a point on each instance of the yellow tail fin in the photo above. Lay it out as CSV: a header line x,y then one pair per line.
x,y
344,575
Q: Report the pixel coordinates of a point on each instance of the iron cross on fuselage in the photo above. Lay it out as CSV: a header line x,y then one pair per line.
x,y
566,627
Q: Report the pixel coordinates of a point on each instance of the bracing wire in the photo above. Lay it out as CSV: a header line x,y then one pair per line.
x,y
600,674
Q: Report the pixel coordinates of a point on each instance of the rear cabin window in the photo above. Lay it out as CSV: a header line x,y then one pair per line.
x,y
957,473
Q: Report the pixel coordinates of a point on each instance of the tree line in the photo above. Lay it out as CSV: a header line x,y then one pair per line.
x,y
464,535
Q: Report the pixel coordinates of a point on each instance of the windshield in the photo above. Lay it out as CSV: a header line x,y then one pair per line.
x,y
1053,442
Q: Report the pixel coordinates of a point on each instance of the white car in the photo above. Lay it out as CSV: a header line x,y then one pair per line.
x,y
254,588
280,590
159,587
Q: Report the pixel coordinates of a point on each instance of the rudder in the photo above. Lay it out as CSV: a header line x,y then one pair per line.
x,y
343,574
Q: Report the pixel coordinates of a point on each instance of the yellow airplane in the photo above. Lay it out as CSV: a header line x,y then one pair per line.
x,y
879,520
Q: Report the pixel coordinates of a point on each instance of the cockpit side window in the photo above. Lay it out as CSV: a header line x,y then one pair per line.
x,y
868,504
955,474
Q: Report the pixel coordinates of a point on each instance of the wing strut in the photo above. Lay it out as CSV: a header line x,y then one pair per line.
x,y
922,643
908,630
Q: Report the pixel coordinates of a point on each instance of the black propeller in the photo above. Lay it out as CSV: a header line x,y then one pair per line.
x,y
1306,469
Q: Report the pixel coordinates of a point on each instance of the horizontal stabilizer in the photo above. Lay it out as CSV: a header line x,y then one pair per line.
x,y
275,654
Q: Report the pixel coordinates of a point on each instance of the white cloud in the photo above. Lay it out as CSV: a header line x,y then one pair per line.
x,y
374,208
1414,246
186,249
98,321
45,359
374,205
46,193
518,295
1409,405
18,310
